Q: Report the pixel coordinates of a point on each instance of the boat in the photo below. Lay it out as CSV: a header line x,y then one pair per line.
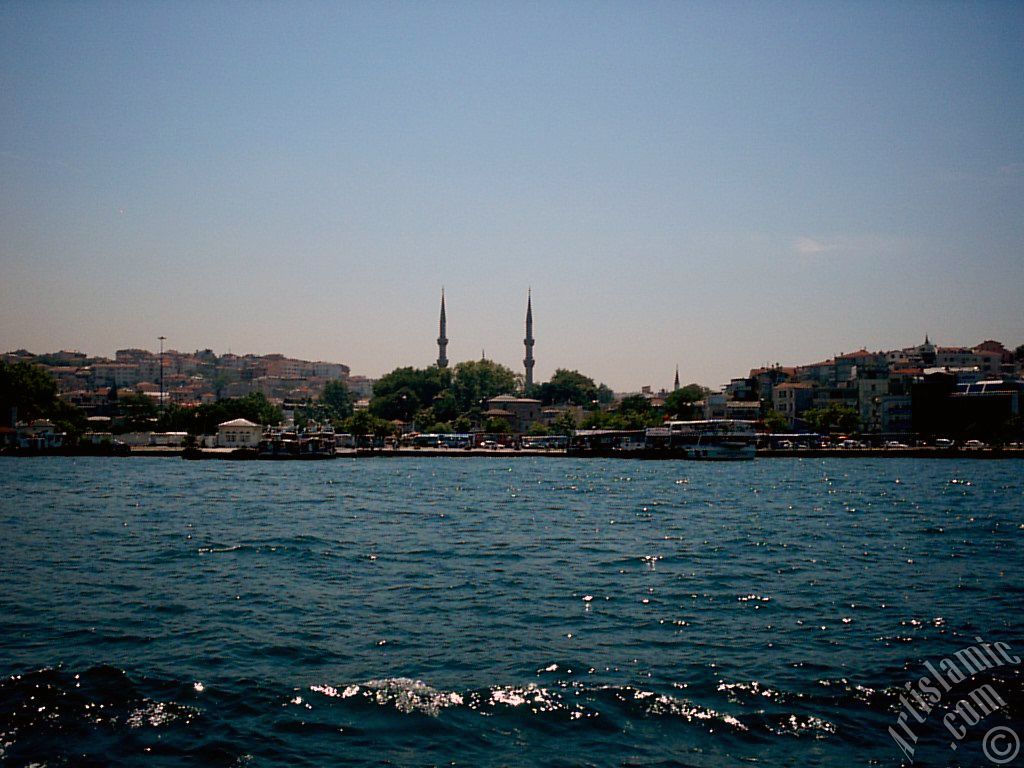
x,y
708,439
313,442
712,439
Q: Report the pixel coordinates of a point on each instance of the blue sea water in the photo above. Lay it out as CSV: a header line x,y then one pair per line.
x,y
500,611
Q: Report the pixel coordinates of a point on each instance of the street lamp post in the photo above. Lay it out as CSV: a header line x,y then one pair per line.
x,y
162,339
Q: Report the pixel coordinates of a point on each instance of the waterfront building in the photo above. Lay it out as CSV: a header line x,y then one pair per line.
x,y
942,407
740,389
743,410
39,435
714,405
871,388
767,378
792,398
239,433
895,414
520,412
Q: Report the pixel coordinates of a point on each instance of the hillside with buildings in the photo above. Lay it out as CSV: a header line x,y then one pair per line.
x,y
922,391
187,379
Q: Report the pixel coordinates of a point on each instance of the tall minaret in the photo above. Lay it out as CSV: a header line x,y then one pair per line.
x,y
528,341
676,385
442,338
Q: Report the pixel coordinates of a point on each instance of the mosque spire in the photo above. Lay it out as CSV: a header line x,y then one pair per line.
x,y
528,341
675,386
442,338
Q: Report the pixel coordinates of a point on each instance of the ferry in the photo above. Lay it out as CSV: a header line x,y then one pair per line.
x,y
709,439
715,439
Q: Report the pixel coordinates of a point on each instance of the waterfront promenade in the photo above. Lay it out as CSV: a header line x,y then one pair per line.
x,y
923,452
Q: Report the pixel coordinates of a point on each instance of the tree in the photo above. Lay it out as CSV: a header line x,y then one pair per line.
x,y
776,422
138,412
30,392
680,404
67,418
832,418
538,429
222,379
497,426
175,418
568,388
255,407
636,412
28,388
424,418
573,388
1018,354
476,381
606,420
336,400
444,406
635,404
404,391
359,423
564,424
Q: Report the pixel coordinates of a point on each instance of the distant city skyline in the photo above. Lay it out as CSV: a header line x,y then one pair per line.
x,y
717,186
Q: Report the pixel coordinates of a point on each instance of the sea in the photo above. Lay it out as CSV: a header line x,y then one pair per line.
x,y
511,611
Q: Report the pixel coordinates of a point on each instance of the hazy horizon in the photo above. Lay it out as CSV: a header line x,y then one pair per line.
x,y
716,186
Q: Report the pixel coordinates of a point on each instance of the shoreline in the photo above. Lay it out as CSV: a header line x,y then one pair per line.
x,y
230,454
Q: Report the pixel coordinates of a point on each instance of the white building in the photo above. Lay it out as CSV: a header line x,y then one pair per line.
x,y
39,435
239,433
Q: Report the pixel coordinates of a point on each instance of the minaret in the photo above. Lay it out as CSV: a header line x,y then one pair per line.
x,y
442,338
675,387
528,341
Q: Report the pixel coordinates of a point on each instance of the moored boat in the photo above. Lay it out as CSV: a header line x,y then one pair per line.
x,y
713,439
314,442
708,439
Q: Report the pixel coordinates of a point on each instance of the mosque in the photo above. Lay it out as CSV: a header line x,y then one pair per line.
x,y
442,340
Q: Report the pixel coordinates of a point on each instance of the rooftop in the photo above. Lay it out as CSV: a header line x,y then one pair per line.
x,y
238,423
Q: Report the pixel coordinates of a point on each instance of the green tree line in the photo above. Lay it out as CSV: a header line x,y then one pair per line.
x,y
28,392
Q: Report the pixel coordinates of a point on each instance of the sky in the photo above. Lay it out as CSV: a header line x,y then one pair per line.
x,y
713,185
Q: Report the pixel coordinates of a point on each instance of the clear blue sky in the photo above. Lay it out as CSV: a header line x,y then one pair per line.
x,y
715,185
